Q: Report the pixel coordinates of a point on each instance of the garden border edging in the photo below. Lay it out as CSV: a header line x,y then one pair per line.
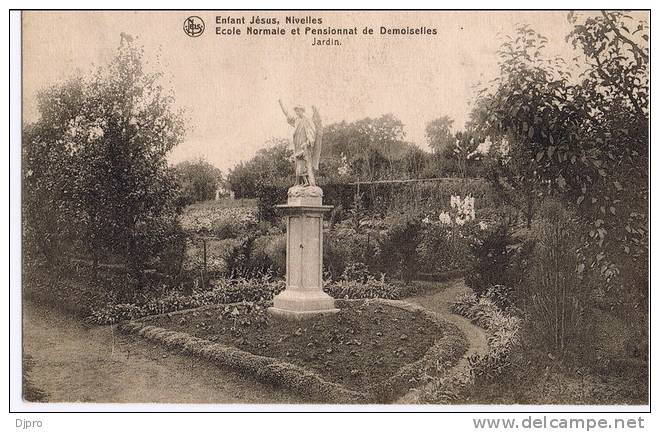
x,y
443,354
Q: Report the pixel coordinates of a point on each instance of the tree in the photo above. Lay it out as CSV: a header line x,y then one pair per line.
x,y
98,155
372,146
198,180
271,166
584,140
439,134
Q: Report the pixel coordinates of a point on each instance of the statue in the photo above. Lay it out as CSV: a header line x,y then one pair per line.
x,y
307,139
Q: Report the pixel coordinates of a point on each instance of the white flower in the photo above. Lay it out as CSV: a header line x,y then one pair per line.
x,y
444,218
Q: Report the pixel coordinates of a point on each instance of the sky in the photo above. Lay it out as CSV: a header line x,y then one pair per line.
x,y
229,86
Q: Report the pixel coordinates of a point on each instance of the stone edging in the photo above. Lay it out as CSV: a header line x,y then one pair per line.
x,y
444,353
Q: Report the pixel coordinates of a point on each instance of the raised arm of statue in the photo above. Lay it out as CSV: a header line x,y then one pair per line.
x,y
289,118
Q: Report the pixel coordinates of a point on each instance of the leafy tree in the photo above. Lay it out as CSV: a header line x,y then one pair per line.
x,y
198,180
415,162
373,147
586,139
98,155
439,134
270,166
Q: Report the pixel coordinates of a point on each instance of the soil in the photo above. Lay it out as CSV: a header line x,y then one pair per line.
x,y
355,347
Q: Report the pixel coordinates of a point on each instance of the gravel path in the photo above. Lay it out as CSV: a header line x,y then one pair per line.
x,y
439,301
74,362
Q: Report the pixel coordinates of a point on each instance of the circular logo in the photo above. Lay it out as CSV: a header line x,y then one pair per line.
x,y
193,26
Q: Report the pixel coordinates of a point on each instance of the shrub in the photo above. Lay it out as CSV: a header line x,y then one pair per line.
x,y
224,229
341,247
267,198
398,250
246,261
491,259
502,295
444,248
556,289
356,271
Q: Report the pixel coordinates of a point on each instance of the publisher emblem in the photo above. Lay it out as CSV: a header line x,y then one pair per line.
x,y
193,26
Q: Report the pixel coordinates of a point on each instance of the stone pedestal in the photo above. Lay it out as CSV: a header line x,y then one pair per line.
x,y
304,296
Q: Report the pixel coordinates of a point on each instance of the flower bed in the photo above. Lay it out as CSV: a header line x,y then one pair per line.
x,y
224,291
371,351
203,220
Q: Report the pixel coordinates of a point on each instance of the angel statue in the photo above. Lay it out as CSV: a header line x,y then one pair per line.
x,y
307,139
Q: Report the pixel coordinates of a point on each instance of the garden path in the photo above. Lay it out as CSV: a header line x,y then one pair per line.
x,y
75,362
439,300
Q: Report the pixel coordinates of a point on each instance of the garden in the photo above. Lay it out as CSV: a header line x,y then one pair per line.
x,y
515,275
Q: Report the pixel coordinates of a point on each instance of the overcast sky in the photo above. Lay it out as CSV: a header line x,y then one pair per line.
x,y
229,86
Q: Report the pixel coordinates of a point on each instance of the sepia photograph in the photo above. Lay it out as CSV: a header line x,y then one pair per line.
x,y
406,209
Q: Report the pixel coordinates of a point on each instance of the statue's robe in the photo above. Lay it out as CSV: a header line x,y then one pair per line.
x,y
304,139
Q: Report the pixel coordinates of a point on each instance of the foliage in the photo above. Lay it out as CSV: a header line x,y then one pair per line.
x,y
198,180
398,254
344,247
371,146
224,229
586,139
246,261
492,254
503,334
556,288
370,287
444,248
267,198
223,291
439,134
205,220
270,166
96,178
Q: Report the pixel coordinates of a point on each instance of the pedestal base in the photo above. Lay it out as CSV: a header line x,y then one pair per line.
x,y
301,305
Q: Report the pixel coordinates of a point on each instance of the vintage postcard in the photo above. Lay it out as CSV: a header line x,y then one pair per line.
x,y
407,209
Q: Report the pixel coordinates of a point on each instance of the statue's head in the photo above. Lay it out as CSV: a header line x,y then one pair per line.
x,y
300,111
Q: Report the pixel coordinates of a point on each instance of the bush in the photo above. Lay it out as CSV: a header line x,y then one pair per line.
x,y
556,290
342,247
224,229
444,248
267,198
247,261
398,250
491,260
